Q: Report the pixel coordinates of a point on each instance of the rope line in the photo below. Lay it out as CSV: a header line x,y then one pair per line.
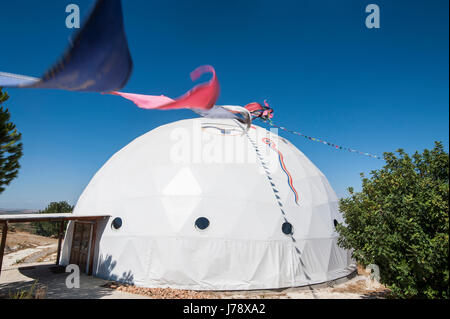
x,y
315,139
265,113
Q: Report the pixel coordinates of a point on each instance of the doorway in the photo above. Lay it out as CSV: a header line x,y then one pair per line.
x,y
81,239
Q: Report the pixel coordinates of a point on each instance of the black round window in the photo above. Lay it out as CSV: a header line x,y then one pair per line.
x,y
116,223
335,222
202,223
287,228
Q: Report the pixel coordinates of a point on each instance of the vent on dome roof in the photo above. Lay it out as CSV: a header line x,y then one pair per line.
x,y
222,129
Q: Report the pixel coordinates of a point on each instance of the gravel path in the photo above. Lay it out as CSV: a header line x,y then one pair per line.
x,y
27,255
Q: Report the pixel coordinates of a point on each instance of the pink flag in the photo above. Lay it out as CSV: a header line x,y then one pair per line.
x,y
145,101
202,96
257,110
254,106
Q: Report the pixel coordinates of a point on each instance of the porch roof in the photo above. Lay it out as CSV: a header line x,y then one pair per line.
x,y
35,217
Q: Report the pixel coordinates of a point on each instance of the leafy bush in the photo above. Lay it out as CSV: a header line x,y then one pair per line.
x,y
400,222
51,229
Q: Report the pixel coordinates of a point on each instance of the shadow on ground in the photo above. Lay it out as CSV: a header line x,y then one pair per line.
x,y
52,279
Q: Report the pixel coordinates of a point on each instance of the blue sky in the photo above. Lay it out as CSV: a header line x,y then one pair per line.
x,y
316,63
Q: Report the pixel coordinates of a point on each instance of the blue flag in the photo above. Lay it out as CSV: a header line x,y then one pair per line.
x,y
98,60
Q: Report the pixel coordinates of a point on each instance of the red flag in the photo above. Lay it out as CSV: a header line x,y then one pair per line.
x,y
202,96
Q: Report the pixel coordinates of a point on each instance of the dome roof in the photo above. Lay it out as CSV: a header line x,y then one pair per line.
x,y
203,204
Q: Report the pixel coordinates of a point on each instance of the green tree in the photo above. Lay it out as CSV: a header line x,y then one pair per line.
x,y
50,229
400,222
10,146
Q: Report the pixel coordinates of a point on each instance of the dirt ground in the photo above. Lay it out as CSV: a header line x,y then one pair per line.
x,y
358,287
19,240
24,249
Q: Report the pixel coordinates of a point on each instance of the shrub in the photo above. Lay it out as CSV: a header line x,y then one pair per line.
x,y
50,229
400,222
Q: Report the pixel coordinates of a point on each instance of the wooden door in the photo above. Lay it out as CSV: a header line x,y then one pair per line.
x,y
81,239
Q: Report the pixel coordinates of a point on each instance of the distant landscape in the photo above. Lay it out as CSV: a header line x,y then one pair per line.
x,y
4,211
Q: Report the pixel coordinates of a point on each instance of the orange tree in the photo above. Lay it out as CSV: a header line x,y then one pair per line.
x,y
400,222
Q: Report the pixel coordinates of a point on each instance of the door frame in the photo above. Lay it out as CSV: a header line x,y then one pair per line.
x,y
88,269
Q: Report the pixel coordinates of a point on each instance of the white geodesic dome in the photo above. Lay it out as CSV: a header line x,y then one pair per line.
x,y
209,172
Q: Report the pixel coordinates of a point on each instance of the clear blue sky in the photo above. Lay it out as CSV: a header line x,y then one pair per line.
x,y
322,70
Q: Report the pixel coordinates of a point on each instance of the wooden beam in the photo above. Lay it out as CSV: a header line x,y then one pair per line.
x,y
43,218
92,251
3,244
60,238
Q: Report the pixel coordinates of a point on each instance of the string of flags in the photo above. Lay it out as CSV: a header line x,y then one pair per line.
x,y
99,60
265,114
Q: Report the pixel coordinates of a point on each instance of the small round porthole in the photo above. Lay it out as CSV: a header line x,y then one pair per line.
x,y
116,223
202,223
287,228
335,222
